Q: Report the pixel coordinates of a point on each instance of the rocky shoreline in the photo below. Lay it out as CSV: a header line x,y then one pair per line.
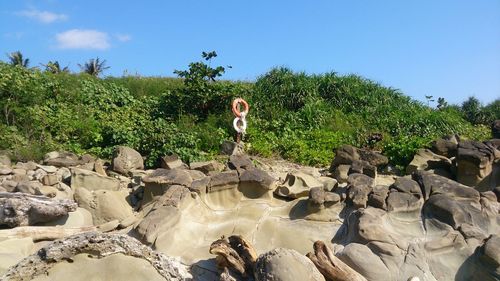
x,y
245,218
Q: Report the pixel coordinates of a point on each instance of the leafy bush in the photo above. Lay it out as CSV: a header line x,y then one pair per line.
x,y
300,117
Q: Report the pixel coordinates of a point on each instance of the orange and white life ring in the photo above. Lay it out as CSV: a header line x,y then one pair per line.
x,y
235,107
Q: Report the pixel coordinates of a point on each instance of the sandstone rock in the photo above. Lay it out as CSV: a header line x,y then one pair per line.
x,y
28,166
9,185
39,174
285,265
63,191
358,195
403,202
446,146
329,184
104,205
99,254
407,185
363,167
19,171
434,184
5,160
29,187
490,254
78,218
81,178
360,179
360,258
160,213
161,180
50,179
373,158
224,180
20,178
341,173
5,171
240,162
495,129
47,190
200,185
378,197
126,159
344,155
195,174
258,179
47,169
14,250
61,159
475,165
232,148
446,210
173,161
321,198
64,174
425,159
99,167
297,185
208,166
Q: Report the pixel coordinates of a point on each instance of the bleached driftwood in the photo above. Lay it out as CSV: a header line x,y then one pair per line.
x,y
44,232
21,209
234,253
330,266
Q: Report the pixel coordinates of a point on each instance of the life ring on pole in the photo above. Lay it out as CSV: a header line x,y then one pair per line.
x,y
236,110
240,128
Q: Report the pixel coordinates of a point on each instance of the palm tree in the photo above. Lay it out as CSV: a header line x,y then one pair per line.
x,y
94,67
55,68
16,58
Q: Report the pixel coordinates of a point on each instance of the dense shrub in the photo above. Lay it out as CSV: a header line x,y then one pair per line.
x,y
297,116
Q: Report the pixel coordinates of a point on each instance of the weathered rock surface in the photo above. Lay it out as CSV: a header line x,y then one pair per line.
x,y
81,178
285,265
99,254
425,159
126,159
495,129
475,165
446,146
360,258
207,166
62,159
173,161
104,205
297,185
13,251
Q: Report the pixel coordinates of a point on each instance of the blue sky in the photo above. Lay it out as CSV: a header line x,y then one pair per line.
x,y
446,48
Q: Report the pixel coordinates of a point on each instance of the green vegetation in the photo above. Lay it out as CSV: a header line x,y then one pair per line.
x,y
297,116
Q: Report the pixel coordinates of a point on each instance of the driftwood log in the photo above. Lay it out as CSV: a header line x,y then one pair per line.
x,y
330,266
44,232
21,209
234,253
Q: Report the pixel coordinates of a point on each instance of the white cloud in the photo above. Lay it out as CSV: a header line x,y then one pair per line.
x,y
42,16
123,37
83,39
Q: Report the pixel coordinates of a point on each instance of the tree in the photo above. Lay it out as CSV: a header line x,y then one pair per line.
x,y
472,110
429,100
201,91
442,103
55,68
94,67
16,58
